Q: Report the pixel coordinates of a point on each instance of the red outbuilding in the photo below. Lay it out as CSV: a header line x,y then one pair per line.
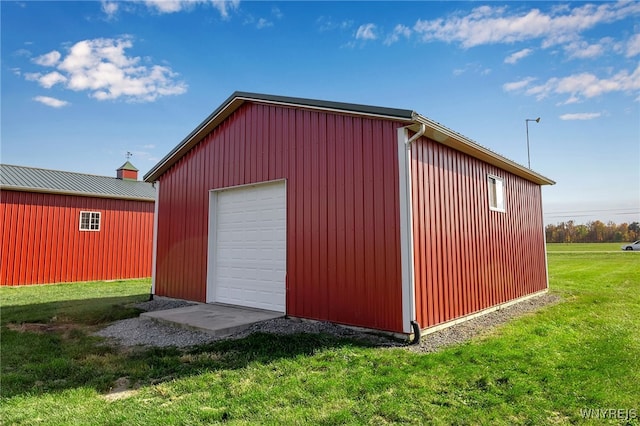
x,y
360,215
63,227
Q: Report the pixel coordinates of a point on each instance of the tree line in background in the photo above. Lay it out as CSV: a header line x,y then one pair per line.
x,y
592,232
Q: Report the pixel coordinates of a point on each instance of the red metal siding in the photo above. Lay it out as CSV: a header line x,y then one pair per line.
x,y
466,257
343,257
42,243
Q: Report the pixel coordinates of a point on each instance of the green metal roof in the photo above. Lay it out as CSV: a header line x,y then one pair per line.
x,y
128,166
31,179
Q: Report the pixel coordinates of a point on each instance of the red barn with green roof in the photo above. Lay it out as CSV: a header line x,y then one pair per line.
x,y
59,226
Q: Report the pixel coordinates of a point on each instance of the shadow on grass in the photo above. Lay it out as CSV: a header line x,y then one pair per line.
x,y
62,354
93,311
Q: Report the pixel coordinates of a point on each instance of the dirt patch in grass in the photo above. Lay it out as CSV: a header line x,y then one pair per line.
x,y
42,328
120,390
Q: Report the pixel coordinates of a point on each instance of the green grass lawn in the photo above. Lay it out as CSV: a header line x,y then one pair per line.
x,y
543,368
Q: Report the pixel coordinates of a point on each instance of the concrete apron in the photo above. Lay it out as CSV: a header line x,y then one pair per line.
x,y
217,320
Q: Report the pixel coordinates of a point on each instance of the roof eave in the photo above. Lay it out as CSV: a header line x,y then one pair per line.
x,y
454,140
76,193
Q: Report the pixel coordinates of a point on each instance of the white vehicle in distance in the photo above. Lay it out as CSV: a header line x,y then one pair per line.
x,y
632,246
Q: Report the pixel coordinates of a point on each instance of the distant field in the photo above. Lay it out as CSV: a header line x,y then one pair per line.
x,y
584,247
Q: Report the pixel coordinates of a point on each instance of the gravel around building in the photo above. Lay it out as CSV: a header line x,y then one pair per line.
x,y
137,331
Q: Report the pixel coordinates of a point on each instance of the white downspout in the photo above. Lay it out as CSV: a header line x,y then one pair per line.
x,y
406,230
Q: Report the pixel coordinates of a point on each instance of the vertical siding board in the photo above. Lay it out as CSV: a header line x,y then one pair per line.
x,y
314,237
339,303
434,276
442,248
463,249
358,223
332,212
292,229
471,239
348,211
48,239
432,294
379,200
369,230
321,267
386,217
25,237
299,211
452,217
457,202
37,248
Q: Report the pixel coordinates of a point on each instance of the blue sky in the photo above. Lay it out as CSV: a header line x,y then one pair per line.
x,y
85,82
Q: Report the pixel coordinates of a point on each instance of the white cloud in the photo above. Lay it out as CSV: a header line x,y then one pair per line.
x,y
223,6
580,49
101,67
517,85
51,79
173,6
110,8
580,116
276,12
366,32
515,57
48,59
580,86
473,67
399,30
22,52
52,102
495,24
263,23
168,6
633,46
326,23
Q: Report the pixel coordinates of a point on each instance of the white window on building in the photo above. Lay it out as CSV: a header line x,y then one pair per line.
x,y
496,193
89,221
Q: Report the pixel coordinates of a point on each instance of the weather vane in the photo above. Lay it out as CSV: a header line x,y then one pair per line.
x,y
129,155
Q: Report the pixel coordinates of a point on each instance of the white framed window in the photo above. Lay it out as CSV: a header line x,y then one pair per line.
x,y
495,186
89,221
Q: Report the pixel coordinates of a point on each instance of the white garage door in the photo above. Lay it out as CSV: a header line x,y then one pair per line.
x,y
250,246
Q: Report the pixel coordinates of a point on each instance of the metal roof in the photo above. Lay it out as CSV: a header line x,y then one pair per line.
x,y
128,166
31,179
435,131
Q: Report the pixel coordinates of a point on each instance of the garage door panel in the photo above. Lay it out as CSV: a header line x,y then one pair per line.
x,y
250,246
